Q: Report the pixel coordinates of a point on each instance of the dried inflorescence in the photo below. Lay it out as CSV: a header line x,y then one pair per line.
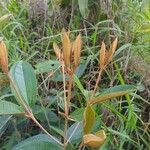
x,y
105,55
71,51
3,57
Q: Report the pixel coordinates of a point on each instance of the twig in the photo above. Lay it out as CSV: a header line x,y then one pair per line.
x,y
41,127
97,82
66,106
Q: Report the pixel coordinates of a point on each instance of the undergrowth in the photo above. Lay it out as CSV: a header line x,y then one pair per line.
x,y
52,117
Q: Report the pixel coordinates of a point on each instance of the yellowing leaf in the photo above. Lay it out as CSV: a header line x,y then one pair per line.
x,y
94,141
108,96
102,55
77,50
57,50
89,119
3,57
66,48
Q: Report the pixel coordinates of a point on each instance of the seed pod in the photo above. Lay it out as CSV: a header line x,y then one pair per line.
x,y
102,55
77,50
3,57
66,48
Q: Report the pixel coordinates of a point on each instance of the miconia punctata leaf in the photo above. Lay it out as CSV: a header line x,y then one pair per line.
x,y
24,78
10,108
38,142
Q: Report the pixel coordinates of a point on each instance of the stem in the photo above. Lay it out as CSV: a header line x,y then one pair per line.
x,y
80,146
66,101
67,109
69,88
42,128
21,101
28,110
66,106
97,82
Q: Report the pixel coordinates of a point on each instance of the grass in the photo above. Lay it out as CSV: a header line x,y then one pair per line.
x,y
125,119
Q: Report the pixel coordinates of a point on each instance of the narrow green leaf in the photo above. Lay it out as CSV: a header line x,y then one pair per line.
x,y
25,80
112,93
83,7
38,142
10,108
89,119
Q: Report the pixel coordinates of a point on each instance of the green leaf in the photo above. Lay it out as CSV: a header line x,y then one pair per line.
x,y
38,142
4,119
25,80
89,119
47,66
75,133
82,67
10,108
77,114
112,93
83,7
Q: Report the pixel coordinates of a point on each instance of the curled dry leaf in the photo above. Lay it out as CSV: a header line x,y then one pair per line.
x,y
3,57
77,50
66,48
94,141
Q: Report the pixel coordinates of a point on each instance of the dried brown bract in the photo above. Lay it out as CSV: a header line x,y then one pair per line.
x,y
3,57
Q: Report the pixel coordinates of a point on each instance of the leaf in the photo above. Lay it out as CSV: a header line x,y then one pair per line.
x,y
77,114
83,7
112,93
89,119
38,142
79,84
47,66
94,141
3,57
10,108
75,133
66,48
124,47
39,113
24,78
4,119
82,67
